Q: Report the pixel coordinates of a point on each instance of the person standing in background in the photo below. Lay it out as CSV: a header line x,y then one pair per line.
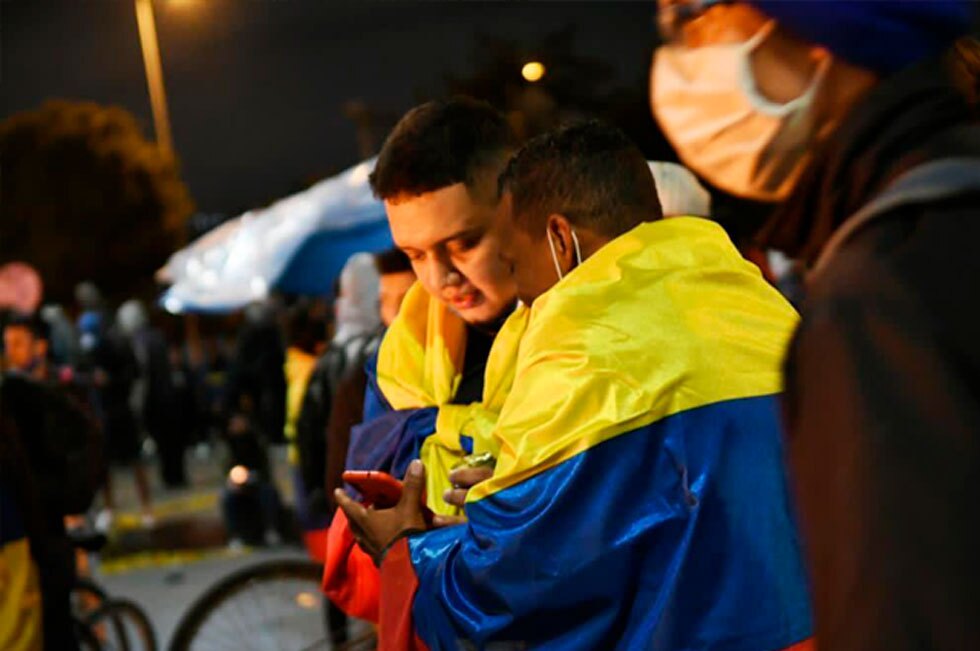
x,y
356,338
50,468
21,600
256,371
115,370
356,335
305,338
396,278
156,397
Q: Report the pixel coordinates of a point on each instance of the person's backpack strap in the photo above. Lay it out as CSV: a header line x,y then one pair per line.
x,y
936,180
366,347
335,363
354,353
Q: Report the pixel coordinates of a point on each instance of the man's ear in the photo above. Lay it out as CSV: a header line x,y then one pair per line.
x,y
560,231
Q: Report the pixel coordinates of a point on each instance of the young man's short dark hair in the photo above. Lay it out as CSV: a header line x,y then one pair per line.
x,y
589,172
392,261
442,143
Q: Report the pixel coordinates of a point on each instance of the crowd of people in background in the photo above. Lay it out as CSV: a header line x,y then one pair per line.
x,y
82,396
93,393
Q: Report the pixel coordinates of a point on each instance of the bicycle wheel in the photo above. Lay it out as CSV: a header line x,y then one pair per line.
x,y
86,586
87,599
121,625
87,641
274,604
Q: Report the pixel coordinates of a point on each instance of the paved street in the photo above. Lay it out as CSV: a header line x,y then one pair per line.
x,y
166,566
166,590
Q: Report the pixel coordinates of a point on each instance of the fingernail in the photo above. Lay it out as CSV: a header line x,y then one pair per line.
x,y
415,468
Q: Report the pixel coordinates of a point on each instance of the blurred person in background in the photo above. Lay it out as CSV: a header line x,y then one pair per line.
x,y
189,395
356,308
305,335
21,602
50,468
28,351
26,346
88,297
255,371
211,376
857,123
156,397
63,338
396,277
112,369
357,332
250,502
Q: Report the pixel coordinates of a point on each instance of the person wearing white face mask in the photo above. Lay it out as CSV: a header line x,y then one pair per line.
x,y
856,121
733,116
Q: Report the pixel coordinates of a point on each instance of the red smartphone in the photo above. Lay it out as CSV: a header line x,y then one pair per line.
x,y
377,488
381,490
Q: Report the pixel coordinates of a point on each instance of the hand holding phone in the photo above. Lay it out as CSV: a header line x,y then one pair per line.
x,y
378,489
377,529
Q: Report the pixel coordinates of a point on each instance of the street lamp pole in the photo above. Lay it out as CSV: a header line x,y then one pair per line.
x,y
161,121
154,75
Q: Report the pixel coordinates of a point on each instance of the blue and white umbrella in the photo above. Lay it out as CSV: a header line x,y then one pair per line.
x,y
297,245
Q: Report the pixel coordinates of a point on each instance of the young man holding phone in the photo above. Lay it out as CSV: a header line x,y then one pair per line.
x,y
437,174
638,499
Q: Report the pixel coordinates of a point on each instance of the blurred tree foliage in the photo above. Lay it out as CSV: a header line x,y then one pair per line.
x,y
84,195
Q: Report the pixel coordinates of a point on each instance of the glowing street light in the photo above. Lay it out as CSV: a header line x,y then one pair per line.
x,y
533,71
154,74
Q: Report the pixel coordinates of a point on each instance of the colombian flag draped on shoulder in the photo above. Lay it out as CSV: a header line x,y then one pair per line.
x,y
639,500
409,416
419,367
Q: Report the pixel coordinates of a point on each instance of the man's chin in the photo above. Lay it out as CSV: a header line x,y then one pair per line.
x,y
484,315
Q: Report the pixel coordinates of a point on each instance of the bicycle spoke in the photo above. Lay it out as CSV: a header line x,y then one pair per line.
x,y
222,633
244,622
281,590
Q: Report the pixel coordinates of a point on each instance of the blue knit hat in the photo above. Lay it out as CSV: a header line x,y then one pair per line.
x,y
879,35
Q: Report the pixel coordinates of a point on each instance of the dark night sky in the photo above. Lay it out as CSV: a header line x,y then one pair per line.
x,y
256,87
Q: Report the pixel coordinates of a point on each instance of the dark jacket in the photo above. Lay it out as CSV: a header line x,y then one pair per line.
x,y
50,462
883,378
333,403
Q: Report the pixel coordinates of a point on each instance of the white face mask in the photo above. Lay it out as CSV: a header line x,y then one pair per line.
x,y
707,103
554,252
